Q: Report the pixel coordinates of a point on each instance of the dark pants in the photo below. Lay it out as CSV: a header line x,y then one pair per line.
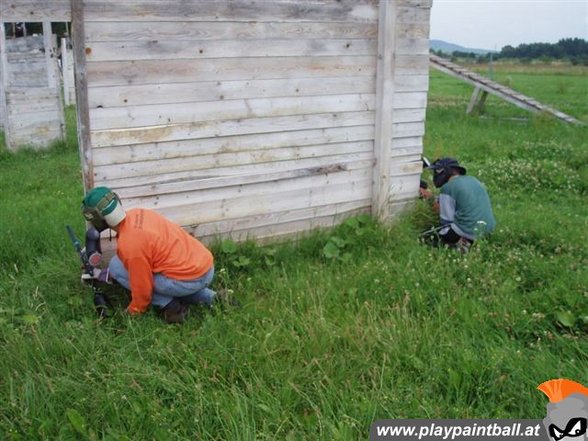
x,y
449,238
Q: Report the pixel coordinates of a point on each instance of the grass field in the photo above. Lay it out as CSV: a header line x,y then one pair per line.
x,y
337,330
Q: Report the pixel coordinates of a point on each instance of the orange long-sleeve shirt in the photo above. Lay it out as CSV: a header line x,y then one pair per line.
x,y
148,244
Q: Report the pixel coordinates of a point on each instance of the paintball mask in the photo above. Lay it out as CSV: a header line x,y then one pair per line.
x,y
443,169
102,208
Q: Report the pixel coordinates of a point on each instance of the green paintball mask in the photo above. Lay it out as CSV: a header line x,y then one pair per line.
x,y
102,208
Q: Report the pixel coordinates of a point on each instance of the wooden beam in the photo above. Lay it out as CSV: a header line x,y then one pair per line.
x,y
52,73
4,84
64,69
34,10
83,113
503,92
384,112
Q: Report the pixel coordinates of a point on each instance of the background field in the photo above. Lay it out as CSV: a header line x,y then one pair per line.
x,y
337,330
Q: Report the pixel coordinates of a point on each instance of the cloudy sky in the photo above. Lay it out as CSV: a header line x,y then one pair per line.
x,y
493,24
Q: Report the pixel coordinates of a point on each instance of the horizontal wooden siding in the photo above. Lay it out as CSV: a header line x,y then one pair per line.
x,y
236,118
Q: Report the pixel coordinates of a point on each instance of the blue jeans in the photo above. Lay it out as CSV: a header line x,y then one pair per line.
x,y
165,289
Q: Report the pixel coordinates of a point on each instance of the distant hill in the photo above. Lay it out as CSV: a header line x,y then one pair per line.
x,y
448,48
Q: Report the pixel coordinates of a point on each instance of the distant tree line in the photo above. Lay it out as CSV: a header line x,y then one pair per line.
x,y
574,50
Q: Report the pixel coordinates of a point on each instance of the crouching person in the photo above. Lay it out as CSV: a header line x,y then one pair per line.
x,y
159,262
464,206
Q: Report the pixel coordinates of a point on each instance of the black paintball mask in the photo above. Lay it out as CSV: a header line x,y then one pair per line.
x,y
443,169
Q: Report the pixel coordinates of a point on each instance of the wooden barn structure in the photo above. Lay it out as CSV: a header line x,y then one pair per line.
x,y
249,118
31,110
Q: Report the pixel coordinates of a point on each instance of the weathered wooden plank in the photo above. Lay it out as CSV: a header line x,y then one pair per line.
x,y
416,3
404,188
67,70
50,49
189,50
412,46
107,174
410,165
22,108
270,202
3,80
226,30
411,64
132,95
4,125
409,100
408,129
39,122
37,139
231,144
35,76
415,82
406,142
31,93
413,30
409,152
344,178
384,122
200,184
12,11
237,10
409,115
282,223
281,231
221,160
114,73
33,44
413,13
141,116
50,58
81,85
406,87
209,129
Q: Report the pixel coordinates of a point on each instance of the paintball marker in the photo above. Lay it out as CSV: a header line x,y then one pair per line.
x,y
91,256
426,163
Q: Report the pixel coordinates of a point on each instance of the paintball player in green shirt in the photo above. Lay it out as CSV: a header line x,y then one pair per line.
x,y
464,205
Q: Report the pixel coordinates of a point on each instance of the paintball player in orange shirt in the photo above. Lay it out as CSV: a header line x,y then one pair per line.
x,y
159,262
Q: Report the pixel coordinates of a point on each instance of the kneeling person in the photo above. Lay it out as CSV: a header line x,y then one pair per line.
x,y
159,262
464,205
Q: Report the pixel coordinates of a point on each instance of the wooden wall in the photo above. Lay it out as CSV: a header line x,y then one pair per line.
x,y
254,119
31,100
249,118
403,83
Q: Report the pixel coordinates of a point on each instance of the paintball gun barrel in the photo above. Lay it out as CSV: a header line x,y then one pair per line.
x,y
90,257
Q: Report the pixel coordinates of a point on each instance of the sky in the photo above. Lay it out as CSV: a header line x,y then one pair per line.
x,y
493,24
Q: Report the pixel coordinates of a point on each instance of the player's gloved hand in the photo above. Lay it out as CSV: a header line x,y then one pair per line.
x,y
425,194
100,275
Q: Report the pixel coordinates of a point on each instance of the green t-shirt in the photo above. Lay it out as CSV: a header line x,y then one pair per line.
x,y
465,204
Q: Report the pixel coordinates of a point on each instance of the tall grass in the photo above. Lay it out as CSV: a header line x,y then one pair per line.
x,y
330,337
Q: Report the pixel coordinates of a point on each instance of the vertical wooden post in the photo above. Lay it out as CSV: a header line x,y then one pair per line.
x,y
477,101
384,114
64,71
82,106
49,55
52,74
4,85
